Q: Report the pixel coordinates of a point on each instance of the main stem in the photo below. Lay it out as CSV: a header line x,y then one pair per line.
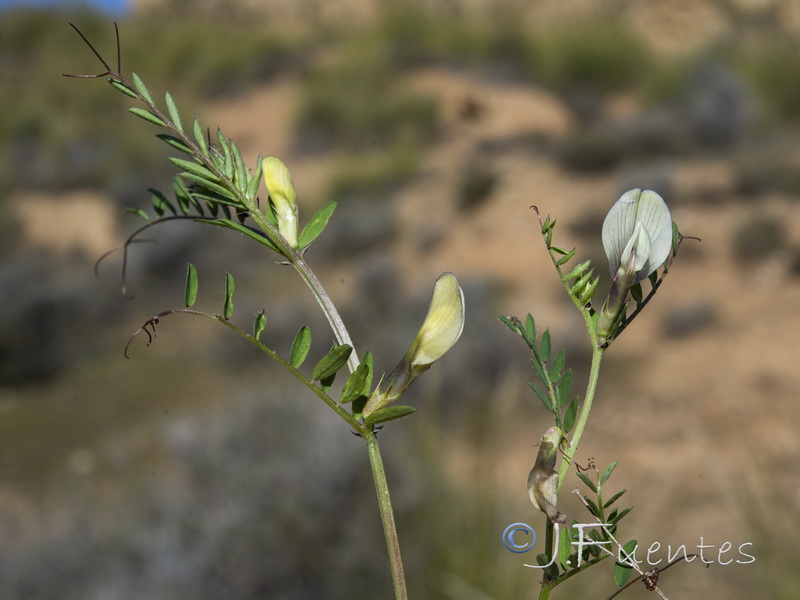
x,y
594,375
387,516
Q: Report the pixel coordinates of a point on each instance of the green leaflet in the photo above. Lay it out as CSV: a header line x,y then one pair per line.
x,y
195,169
260,238
356,383
331,362
175,142
229,288
622,572
121,87
259,324
140,87
190,293
316,225
147,116
139,212
607,473
172,109
300,347
200,137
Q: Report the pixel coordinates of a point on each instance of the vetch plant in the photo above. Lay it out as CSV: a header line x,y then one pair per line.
x,y
641,242
215,187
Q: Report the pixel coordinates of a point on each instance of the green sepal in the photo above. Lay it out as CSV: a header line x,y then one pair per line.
x,y
390,413
676,239
147,116
175,142
622,572
354,388
316,225
229,288
300,347
140,87
636,292
332,362
172,109
259,324
190,291
121,87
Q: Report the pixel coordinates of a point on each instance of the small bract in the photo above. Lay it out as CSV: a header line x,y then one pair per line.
x,y
637,234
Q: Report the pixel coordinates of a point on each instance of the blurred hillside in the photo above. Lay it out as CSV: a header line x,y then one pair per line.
x,y
198,470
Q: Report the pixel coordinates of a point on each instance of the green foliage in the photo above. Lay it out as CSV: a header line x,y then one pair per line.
x,y
57,138
190,292
259,324
356,102
603,56
332,362
773,68
300,347
556,383
229,289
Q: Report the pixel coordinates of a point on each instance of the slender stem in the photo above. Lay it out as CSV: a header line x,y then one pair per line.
x,y
387,516
594,374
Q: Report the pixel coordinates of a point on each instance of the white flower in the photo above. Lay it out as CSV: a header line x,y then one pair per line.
x,y
637,235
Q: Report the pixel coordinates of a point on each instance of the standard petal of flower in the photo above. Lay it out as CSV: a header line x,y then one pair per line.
x,y
443,324
280,188
648,210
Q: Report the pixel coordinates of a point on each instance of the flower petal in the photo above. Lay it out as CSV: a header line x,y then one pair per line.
x,y
443,324
648,210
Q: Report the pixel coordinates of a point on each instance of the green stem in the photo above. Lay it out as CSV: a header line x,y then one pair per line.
x,y
387,517
310,279
583,417
308,276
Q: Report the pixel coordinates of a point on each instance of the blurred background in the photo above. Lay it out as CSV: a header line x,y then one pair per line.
x,y
198,469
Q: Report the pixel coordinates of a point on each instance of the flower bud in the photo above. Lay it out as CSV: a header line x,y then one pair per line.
x,y
439,332
282,194
543,478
